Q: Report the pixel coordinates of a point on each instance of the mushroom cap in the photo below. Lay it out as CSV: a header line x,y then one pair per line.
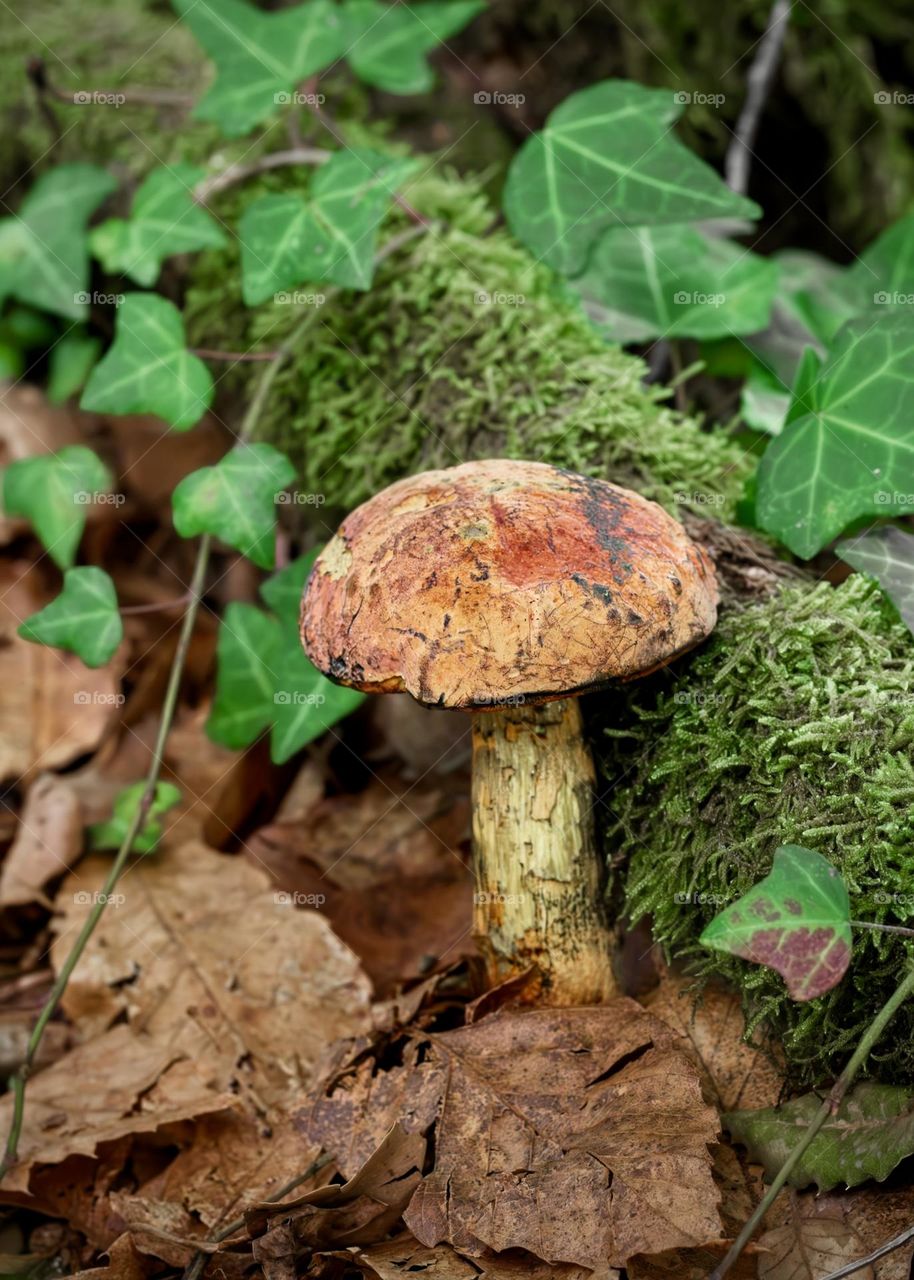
x,y
502,581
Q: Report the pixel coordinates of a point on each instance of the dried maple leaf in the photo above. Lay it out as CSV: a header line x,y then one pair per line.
x,y
48,841
735,1074
200,953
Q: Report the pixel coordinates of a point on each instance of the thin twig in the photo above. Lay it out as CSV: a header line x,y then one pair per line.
x,y
828,1108
156,607
889,1247
38,73
883,928
240,357
241,172
758,85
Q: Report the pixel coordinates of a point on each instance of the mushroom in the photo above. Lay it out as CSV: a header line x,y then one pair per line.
x,y
507,589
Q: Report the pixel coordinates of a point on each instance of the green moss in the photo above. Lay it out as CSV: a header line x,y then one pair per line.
x,y
422,372
794,724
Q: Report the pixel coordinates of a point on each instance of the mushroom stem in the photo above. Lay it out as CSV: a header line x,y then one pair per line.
x,y
539,891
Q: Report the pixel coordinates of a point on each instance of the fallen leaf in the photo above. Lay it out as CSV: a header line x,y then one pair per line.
x,y
197,951
124,1263
735,1074
127,1084
870,1216
29,425
406,1257
809,1247
692,1264
48,841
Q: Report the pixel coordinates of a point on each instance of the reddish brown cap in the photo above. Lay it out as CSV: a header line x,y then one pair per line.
x,y
504,580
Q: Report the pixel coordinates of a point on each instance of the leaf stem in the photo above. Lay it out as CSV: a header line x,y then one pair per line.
x,y
828,1108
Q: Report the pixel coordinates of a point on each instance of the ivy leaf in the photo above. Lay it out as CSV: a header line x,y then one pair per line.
x,y
869,1134
386,44
44,252
796,921
264,680
606,156
164,220
235,500
847,450
648,282
260,57
246,658
286,240
284,590
764,400
110,834
71,361
83,619
148,368
883,275
888,556
54,491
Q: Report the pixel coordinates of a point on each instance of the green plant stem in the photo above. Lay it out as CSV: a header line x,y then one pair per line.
x,y
828,1108
169,706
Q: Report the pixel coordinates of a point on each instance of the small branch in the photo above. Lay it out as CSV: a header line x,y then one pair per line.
x,y
238,357
758,86
131,610
241,172
828,1108
37,72
889,1247
883,928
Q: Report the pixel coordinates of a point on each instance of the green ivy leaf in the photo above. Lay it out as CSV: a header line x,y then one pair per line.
x,y
71,361
796,921
164,220
607,156
110,834
260,57
649,282
883,275
284,590
148,368
54,491
264,680
888,556
386,44
44,252
235,500
764,400
869,1134
286,240
83,619
847,449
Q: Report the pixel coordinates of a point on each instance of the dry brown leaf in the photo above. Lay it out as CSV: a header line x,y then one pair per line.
x,y
692,1264
869,1216
53,708
48,842
124,1263
735,1074
391,865
809,1247
199,954
29,425
406,1257
121,1083
597,1107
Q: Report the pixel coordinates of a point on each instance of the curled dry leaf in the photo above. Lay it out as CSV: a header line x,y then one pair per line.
x,y
53,707
406,1257
852,1222
596,1107
48,841
734,1074
808,1247
128,1084
124,1263
198,952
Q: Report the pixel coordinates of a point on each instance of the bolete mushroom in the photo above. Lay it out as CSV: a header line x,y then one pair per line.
x,y
506,589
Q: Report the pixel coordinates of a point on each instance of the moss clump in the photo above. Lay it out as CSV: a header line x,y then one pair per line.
x,y
421,371
794,724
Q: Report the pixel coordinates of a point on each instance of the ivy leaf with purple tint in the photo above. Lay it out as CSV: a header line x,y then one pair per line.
x,y
796,921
